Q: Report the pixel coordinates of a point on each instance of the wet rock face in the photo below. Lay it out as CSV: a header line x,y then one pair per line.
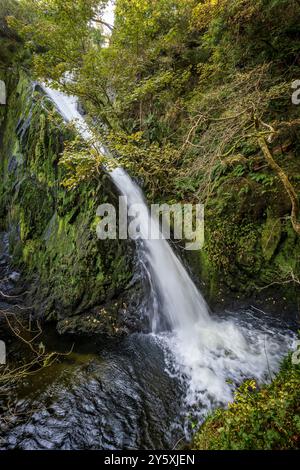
x,y
78,281
271,236
2,93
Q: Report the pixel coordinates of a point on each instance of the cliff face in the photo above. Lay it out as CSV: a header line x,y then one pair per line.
x,y
76,280
251,252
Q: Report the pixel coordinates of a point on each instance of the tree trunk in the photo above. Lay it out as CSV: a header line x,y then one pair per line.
x,y
285,181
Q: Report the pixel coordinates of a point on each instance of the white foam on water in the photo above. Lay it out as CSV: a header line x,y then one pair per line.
x,y
214,360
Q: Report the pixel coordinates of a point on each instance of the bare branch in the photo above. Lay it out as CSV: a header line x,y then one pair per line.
x,y
104,23
281,174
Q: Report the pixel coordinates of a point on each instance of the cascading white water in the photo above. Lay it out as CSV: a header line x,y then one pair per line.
x,y
182,304
203,351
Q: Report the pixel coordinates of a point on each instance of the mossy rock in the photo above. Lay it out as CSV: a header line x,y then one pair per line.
x,y
52,231
270,237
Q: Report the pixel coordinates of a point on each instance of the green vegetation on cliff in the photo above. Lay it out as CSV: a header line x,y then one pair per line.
x,y
79,281
263,419
196,97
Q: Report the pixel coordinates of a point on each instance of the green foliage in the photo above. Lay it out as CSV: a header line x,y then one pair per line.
x,y
10,47
271,236
263,178
155,165
239,170
59,30
266,418
229,244
81,163
176,70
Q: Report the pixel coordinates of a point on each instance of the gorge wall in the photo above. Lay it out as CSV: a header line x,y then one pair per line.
x,y
76,280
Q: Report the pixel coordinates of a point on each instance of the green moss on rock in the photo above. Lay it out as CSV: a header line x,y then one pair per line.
x,y
251,250
52,230
271,236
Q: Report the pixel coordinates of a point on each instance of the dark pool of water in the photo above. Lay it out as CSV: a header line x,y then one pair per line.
x,y
118,398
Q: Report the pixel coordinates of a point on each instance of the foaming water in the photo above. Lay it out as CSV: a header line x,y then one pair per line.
x,y
208,355
214,360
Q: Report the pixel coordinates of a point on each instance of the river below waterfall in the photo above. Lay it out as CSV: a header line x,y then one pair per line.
x,y
118,397
125,394
144,391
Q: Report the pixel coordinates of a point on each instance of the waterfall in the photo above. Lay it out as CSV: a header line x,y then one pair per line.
x,y
202,351
182,305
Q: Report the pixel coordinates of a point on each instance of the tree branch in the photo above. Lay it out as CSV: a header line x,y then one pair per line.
x,y
104,23
281,174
